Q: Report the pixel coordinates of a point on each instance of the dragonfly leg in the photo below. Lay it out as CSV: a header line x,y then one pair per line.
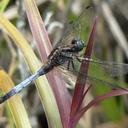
x,y
72,64
68,65
78,59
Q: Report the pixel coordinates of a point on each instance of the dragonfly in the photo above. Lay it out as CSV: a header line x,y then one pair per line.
x,y
68,50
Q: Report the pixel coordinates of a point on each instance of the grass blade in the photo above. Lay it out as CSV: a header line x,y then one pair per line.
x,y
14,105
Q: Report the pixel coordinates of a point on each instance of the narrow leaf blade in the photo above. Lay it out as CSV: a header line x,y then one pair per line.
x,y
44,47
81,80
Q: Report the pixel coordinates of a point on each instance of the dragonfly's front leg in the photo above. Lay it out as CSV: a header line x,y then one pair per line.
x,y
78,58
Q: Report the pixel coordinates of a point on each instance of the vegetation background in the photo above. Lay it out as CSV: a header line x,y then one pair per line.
x,y
110,45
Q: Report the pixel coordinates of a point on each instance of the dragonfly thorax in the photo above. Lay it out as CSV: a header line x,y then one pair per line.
x,y
77,45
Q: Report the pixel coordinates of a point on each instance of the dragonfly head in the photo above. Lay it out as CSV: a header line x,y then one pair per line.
x,y
78,45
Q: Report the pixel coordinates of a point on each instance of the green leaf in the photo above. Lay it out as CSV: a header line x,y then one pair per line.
x,y
3,5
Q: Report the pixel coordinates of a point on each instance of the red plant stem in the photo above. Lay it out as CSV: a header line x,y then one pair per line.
x,y
79,94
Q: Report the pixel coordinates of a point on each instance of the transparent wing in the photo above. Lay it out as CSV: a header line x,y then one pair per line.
x,y
79,28
106,83
112,68
90,79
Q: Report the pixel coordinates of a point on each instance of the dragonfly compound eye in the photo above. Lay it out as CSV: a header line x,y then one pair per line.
x,y
80,45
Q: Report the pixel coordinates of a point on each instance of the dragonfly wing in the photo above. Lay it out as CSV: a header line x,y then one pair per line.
x,y
106,83
112,68
79,27
90,79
